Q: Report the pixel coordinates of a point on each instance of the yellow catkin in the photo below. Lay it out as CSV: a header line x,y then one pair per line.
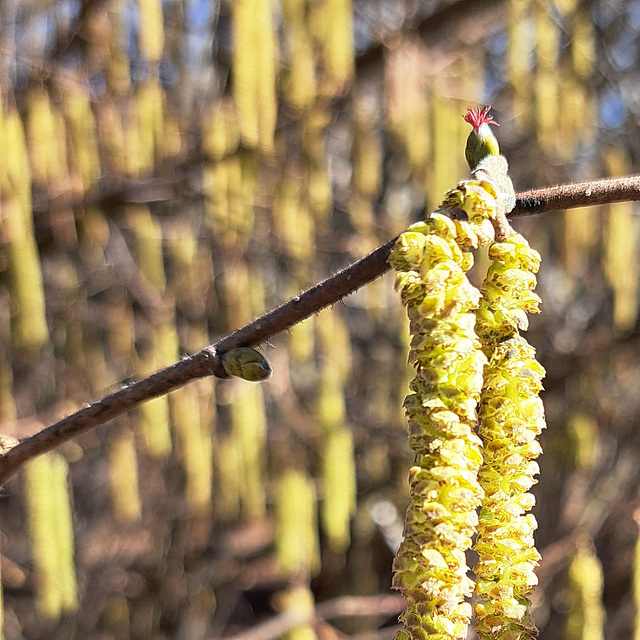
x,y
546,81
245,70
330,411
236,287
194,443
167,343
216,201
192,271
154,414
446,159
148,245
635,579
123,474
430,567
248,422
366,150
220,130
51,534
362,218
40,504
265,51
297,545
301,341
244,196
583,44
63,523
297,601
431,260
293,222
228,462
112,136
519,59
300,80
406,108
116,616
334,340
29,325
40,128
511,418
118,75
337,44
121,334
319,194
586,616
150,120
151,31
8,411
584,442
81,125
621,249
135,156
339,476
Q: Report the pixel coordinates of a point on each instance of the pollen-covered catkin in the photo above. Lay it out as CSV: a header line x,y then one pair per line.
x,y
430,567
511,418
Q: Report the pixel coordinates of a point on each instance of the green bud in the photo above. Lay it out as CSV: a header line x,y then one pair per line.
x,y
246,363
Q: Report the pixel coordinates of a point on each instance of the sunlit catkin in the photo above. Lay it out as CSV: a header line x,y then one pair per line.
x,y
50,534
254,71
299,80
28,322
151,31
298,602
194,444
430,568
249,435
621,250
338,464
586,616
635,579
123,472
81,126
297,545
154,414
337,43
150,121
511,418
63,524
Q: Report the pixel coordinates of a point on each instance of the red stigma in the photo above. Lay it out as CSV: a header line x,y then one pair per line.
x,y
478,117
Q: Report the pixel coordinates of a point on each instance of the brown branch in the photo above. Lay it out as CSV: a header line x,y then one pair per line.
x,y
579,194
344,606
329,291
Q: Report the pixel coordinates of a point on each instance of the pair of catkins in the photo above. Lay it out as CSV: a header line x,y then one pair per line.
x,y
473,412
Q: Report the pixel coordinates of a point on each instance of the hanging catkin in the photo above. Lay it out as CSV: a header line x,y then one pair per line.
x,y
430,567
511,418
431,259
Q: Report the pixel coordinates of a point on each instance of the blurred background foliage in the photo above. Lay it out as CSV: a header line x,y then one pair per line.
x,y
171,169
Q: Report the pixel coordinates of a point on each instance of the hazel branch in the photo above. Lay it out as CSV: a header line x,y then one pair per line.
x,y
208,362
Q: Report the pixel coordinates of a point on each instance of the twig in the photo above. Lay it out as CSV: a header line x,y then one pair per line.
x,y
345,606
329,291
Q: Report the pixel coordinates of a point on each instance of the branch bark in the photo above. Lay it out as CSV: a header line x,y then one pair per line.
x,y
329,291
